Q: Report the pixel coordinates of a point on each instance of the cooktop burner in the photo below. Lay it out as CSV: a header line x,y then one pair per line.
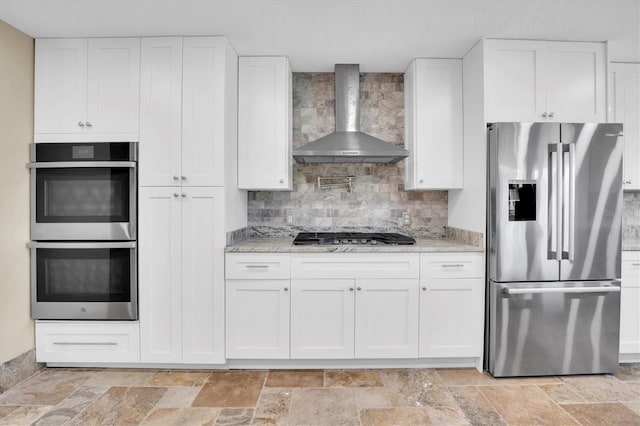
x,y
353,238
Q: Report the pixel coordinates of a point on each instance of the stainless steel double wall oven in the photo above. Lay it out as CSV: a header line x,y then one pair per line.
x,y
83,231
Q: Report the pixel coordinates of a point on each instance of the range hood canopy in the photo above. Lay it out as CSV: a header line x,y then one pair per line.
x,y
348,144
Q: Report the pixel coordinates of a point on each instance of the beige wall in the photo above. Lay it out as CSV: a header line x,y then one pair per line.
x,y
16,133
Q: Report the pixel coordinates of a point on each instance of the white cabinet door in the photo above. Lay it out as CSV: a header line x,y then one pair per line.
x,y
624,107
451,320
322,319
386,322
202,275
433,124
113,91
264,123
159,290
258,319
630,303
60,86
544,81
87,90
514,80
203,111
575,82
160,111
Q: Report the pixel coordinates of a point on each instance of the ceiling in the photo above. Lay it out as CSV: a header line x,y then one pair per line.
x,y
380,35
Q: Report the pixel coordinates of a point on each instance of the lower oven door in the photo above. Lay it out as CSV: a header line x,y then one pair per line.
x,y
84,281
550,328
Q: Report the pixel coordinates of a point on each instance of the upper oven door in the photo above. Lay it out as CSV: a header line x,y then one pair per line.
x,y
83,200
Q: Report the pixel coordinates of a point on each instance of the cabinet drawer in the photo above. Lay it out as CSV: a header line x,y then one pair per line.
x,y
451,265
376,265
78,341
257,266
631,269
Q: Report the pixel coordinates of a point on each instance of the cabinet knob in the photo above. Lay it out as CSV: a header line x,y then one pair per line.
x,y
359,288
627,182
545,115
551,115
175,177
88,124
80,123
175,194
281,180
183,177
184,195
350,288
424,289
286,289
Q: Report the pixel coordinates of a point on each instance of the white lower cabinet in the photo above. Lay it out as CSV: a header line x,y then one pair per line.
x,y
630,303
322,318
451,305
87,341
354,306
258,319
181,275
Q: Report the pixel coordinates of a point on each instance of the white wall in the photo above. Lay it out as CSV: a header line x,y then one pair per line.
x,y
16,133
467,207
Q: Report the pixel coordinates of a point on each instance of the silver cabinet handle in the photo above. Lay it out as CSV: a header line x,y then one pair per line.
x,y
350,288
175,194
88,124
175,177
452,265
183,177
80,123
86,343
537,290
619,134
286,289
256,266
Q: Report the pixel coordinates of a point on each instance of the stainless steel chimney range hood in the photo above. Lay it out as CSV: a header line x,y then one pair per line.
x,y
348,144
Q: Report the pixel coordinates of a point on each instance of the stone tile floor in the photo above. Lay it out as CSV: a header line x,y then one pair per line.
x,y
58,396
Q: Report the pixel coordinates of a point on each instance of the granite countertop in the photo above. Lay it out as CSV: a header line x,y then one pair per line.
x,y
285,245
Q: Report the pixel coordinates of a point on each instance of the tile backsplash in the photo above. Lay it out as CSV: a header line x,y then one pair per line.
x,y
377,199
631,220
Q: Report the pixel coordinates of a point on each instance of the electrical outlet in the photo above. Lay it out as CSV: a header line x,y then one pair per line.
x,y
289,219
406,218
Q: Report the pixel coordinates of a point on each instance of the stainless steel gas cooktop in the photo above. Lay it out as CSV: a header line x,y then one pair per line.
x,y
352,238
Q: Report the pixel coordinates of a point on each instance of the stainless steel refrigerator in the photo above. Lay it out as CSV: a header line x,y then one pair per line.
x,y
554,229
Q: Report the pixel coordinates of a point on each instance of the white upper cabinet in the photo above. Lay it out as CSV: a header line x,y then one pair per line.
x,y
545,81
433,124
187,94
624,107
264,123
87,90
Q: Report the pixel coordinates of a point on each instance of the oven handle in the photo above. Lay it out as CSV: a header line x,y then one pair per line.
x,y
87,164
120,244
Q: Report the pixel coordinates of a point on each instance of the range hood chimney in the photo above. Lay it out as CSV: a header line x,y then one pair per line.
x,y
348,144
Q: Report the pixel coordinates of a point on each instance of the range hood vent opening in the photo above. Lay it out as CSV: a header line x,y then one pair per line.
x,y
348,144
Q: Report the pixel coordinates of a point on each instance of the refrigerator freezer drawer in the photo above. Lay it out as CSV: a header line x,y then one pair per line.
x,y
552,328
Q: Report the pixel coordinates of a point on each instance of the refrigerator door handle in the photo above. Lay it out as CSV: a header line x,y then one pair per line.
x,y
542,290
555,208
572,199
